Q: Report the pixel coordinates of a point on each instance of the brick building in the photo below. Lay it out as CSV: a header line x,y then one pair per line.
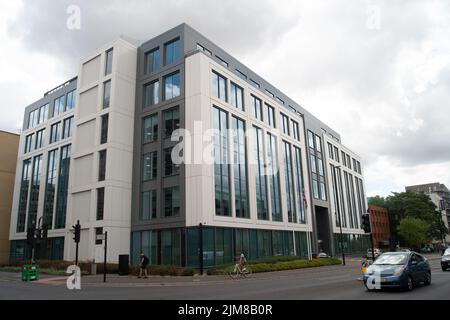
x,y
379,221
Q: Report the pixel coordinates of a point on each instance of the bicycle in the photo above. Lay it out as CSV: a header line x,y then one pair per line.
x,y
245,272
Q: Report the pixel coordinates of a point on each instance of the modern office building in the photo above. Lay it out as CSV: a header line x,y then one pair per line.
x,y
9,144
181,151
440,196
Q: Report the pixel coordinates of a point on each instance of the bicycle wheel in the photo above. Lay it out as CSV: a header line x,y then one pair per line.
x,y
247,272
233,274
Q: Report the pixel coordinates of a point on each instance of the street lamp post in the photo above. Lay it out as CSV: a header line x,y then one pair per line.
x,y
339,212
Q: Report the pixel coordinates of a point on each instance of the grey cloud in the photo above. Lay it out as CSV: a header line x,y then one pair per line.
x,y
239,26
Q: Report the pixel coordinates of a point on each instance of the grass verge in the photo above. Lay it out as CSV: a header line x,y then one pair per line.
x,y
270,265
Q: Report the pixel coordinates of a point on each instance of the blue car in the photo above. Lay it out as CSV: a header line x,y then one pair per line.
x,y
402,270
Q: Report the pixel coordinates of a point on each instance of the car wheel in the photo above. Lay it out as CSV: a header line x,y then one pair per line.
x,y
409,284
428,279
444,269
368,289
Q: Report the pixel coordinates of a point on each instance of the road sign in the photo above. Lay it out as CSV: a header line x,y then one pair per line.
x,y
100,237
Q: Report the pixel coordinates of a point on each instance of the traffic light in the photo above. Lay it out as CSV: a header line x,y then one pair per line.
x,y
77,232
365,225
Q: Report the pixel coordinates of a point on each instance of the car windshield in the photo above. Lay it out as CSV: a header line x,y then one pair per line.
x,y
391,259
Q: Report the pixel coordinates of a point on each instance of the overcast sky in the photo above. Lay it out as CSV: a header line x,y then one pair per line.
x,y
378,72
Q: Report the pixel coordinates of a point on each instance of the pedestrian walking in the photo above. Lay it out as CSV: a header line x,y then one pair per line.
x,y
143,265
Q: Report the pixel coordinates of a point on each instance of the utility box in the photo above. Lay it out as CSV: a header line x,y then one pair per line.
x,y
124,264
30,272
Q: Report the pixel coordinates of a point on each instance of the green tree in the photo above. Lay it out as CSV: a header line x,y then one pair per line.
x,y
413,231
415,205
377,201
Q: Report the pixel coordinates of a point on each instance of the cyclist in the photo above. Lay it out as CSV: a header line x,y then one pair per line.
x,y
241,261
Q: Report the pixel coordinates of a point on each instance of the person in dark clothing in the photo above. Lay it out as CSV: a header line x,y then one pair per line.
x,y
143,265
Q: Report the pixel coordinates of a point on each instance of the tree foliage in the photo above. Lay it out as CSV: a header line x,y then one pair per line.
x,y
413,231
377,201
418,206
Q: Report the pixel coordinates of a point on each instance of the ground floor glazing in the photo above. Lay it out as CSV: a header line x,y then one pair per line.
x,y
181,246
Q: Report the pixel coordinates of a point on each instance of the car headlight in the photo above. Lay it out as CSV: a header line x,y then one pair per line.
x,y
369,271
399,271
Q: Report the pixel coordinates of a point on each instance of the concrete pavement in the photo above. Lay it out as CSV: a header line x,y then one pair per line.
x,y
332,282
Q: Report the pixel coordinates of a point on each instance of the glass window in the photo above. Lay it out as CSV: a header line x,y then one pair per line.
x,y
336,154
34,191
260,175
289,179
171,121
39,139
151,93
108,63
33,118
323,194
240,168
318,143
170,168
100,203
222,62
106,94
311,139
269,93
150,128
254,83
172,51
63,185
320,166
221,168
152,61
343,158
71,100
102,165
300,192
150,166
23,196
315,189
241,74
55,132
330,151
50,188
104,129
148,206
237,96
218,86
43,113
295,130
67,128
29,143
172,86
285,123
257,108
202,48
274,177
60,104
270,115
172,202
313,164
98,232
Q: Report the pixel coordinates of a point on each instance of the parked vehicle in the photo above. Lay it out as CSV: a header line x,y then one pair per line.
x,y
401,270
445,260
323,255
